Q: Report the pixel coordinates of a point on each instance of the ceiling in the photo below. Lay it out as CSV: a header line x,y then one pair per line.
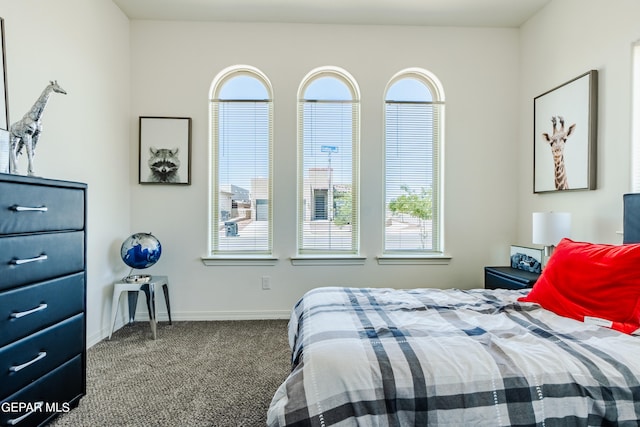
x,y
466,13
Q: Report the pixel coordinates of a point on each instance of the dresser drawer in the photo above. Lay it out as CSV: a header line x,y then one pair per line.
x,y
35,208
30,308
28,359
58,391
55,255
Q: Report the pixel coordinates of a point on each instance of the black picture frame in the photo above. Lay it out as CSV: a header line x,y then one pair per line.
x,y
565,131
165,150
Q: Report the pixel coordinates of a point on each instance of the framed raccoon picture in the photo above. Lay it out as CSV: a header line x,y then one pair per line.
x,y
165,150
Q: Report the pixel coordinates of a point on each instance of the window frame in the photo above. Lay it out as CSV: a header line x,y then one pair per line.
x,y
217,256
304,255
437,255
634,183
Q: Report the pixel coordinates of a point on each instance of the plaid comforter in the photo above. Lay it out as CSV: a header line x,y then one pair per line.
x,y
383,357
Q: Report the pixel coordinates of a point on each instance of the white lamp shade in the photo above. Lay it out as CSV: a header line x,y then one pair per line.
x,y
550,227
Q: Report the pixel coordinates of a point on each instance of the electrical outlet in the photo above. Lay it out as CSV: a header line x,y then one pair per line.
x,y
266,283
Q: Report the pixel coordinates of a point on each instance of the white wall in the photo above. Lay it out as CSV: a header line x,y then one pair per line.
x,y
85,46
173,65
568,38
116,70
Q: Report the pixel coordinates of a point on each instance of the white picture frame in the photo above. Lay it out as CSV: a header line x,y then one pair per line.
x,y
4,151
4,98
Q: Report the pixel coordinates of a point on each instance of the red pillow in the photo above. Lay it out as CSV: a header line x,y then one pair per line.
x,y
600,282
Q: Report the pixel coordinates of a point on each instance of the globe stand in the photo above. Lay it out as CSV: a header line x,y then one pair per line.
x,y
136,278
156,283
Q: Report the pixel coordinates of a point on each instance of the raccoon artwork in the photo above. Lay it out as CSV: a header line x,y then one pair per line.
x,y
163,165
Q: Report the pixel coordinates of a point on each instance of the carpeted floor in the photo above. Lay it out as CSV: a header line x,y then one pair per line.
x,y
221,373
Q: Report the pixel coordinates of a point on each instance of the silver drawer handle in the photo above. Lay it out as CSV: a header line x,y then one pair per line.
x,y
15,421
42,257
28,312
40,356
29,208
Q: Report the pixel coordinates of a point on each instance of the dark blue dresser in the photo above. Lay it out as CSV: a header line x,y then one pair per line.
x,y
42,298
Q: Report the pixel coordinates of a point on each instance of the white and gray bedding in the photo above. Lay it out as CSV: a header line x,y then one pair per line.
x,y
385,357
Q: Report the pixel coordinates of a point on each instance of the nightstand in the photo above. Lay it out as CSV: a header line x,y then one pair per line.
x,y
508,278
149,288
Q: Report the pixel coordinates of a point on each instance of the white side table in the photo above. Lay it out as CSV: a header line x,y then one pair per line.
x,y
133,289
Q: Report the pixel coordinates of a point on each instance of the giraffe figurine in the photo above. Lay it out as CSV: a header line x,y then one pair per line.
x,y
557,141
26,131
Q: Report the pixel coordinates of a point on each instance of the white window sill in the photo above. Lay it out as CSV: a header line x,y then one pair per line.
x,y
328,260
408,259
238,260
389,259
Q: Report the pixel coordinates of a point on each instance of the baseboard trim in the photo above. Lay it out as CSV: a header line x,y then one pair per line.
x,y
142,316
225,315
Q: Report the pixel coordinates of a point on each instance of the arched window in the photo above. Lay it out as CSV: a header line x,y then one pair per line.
x,y
414,113
328,162
241,152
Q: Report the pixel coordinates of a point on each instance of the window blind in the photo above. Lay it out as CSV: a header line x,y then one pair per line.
x,y
412,176
242,190
328,176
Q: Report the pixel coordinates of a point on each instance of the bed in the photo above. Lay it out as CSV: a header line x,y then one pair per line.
x,y
565,353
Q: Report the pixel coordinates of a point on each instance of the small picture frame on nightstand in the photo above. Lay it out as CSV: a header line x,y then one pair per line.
x,y
525,258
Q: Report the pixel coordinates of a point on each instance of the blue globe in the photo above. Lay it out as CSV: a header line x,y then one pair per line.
x,y
141,250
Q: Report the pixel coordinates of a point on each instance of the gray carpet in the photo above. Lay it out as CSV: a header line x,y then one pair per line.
x,y
195,374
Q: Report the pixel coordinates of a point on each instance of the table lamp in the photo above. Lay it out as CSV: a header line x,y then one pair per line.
x,y
549,228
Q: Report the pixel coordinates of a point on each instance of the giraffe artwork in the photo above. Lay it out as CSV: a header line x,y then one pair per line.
x,y
26,132
557,140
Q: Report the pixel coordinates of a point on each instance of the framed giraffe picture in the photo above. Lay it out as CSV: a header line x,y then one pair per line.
x,y
564,137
